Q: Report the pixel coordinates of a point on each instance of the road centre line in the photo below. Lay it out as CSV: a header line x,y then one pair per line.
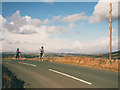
x,y
70,76
28,64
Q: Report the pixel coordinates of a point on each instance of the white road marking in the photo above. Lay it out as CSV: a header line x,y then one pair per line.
x,y
28,64
70,76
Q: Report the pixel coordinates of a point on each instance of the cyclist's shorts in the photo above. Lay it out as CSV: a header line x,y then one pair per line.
x,y
41,54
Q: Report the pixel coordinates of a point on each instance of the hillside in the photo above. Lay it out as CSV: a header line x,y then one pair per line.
x,y
115,55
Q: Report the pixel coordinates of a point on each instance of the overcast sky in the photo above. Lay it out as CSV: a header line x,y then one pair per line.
x,y
65,27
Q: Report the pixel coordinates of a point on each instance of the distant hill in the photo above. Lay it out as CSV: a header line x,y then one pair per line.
x,y
115,55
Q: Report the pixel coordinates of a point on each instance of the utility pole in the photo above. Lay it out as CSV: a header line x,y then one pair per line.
x,y
110,31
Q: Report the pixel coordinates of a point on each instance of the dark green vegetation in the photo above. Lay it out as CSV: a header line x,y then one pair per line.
x,y
115,55
9,80
7,55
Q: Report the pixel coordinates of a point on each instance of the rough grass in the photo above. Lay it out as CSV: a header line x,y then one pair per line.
x,y
9,80
101,63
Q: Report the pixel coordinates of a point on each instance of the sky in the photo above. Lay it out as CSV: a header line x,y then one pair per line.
x,y
61,27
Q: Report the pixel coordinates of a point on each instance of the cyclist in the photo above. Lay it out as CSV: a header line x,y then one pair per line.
x,y
17,53
41,53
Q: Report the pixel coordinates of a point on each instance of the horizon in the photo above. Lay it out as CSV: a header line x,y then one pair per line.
x,y
60,53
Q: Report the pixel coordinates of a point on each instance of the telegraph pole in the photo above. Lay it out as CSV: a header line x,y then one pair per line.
x,y
110,31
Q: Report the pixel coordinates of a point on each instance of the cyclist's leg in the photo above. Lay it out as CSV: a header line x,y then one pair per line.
x,y
16,56
42,56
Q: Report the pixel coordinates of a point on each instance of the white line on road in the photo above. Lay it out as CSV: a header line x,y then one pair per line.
x,y
70,76
28,64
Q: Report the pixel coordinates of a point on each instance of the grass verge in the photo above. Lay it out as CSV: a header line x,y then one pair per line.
x,y
9,80
101,63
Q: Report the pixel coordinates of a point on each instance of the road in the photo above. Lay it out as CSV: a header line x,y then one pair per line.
x,y
37,74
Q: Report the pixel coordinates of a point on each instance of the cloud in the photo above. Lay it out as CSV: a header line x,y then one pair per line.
x,y
55,18
2,20
108,31
56,29
26,25
22,25
74,18
16,19
46,21
49,1
29,34
101,11
31,43
100,45
70,18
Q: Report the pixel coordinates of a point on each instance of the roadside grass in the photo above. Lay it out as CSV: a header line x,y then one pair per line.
x,y
101,63
9,80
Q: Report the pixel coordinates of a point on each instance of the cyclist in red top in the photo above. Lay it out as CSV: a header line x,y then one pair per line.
x,y
17,53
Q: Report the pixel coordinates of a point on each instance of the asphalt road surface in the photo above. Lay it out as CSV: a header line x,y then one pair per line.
x,y
37,74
